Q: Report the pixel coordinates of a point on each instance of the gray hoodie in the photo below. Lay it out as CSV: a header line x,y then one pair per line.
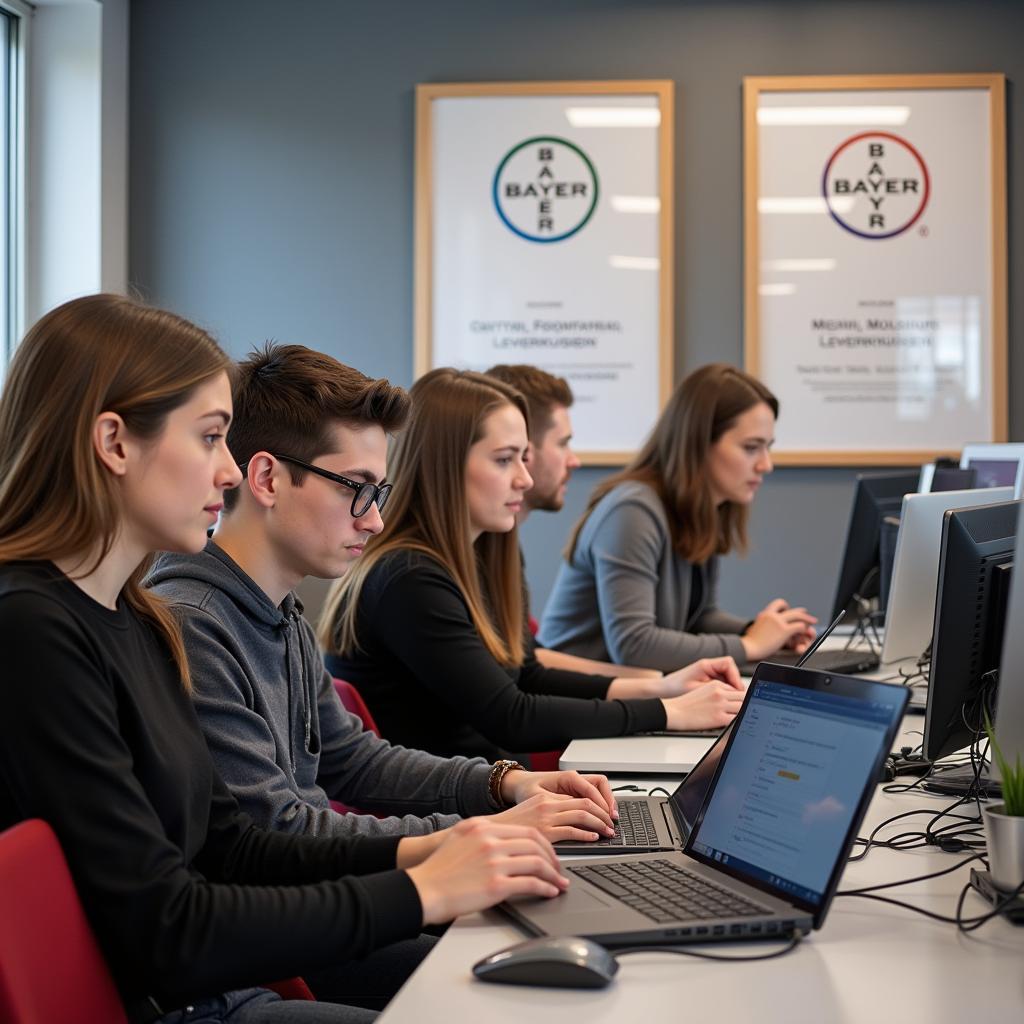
x,y
277,731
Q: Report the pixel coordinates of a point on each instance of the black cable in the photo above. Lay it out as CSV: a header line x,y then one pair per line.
x,y
963,924
965,833
910,881
975,923
911,840
653,791
909,906
921,670
794,941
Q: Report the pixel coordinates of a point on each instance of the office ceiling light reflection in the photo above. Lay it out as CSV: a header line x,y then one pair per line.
x,y
634,262
871,117
798,265
636,204
803,204
613,117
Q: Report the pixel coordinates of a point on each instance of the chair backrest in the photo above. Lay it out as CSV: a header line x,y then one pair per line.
x,y
354,702
292,988
51,968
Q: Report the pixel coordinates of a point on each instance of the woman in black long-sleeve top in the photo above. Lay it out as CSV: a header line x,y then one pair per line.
x,y
112,427
428,625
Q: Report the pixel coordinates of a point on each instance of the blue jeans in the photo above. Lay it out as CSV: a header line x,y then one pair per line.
x,y
350,993
261,1006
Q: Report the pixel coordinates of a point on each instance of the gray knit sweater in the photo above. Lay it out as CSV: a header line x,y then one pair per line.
x,y
278,733
626,596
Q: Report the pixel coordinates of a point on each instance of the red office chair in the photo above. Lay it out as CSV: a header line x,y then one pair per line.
x,y
51,968
353,702
544,761
547,760
292,988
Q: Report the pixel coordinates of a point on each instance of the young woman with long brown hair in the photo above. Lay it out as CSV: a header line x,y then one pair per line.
x,y
428,624
112,446
639,578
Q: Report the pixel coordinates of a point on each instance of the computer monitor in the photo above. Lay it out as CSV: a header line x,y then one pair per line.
x,y
935,476
875,496
1010,699
953,479
996,465
975,562
910,612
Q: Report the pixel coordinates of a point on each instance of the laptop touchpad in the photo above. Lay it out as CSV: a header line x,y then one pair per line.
x,y
576,898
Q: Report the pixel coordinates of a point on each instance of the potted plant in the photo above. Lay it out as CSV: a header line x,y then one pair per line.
x,y
1004,822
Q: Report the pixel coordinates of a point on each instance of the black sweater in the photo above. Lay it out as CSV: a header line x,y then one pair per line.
x,y
187,897
430,682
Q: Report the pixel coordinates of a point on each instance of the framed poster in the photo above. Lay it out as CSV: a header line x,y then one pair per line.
x,y
544,235
875,263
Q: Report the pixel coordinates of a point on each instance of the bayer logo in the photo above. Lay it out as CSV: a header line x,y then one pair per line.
x,y
876,185
545,189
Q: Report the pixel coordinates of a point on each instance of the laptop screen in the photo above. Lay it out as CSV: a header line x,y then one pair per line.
x,y
791,785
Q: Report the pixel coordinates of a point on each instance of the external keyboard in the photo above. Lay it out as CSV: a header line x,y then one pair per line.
x,y
664,891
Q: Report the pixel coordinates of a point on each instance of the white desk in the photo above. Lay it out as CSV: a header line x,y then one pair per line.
x,y
669,755
869,962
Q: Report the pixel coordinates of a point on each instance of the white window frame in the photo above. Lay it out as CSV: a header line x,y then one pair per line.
x,y
21,27
76,224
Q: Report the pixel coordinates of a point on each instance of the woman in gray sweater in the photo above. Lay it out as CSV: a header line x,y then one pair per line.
x,y
639,580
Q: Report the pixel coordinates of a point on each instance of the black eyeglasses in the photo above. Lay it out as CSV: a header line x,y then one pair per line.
x,y
366,494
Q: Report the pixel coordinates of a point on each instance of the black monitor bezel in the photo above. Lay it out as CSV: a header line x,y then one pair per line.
x,y
860,552
952,683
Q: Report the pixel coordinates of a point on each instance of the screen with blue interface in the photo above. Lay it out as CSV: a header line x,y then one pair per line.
x,y
791,784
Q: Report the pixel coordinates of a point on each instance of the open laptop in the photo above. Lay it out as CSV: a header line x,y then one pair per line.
x,y
655,822
850,659
765,855
846,660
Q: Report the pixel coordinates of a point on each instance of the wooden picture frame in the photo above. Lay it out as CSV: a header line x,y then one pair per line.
x,y
577,278
916,241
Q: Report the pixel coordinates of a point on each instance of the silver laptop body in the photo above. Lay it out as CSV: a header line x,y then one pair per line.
x,y
668,819
766,853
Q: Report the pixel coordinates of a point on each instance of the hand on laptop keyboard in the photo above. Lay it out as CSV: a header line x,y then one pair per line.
x,y
777,626
710,706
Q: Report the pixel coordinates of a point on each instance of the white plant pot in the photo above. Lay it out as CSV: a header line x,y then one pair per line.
x,y
1005,837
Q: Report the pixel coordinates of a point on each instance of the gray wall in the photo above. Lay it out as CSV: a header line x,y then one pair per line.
x,y
272,178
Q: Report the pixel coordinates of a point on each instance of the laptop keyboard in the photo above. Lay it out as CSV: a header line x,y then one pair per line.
x,y
843,660
634,827
664,891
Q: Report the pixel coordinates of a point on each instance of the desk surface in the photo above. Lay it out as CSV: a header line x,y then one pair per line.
x,y
868,961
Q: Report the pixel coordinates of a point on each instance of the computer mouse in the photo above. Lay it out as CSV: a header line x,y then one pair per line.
x,y
560,961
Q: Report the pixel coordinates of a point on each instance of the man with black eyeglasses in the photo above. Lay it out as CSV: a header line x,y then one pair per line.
x,y
311,436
